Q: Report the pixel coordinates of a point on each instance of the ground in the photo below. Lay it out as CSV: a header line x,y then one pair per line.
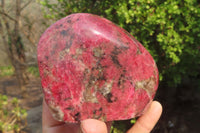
x,y
181,112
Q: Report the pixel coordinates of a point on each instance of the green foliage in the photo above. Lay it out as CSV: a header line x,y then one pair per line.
x,y
12,117
9,71
120,126
33,71
170,30
61,8
133,121
6,71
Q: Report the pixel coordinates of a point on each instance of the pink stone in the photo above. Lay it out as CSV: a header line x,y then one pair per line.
x,y
91,68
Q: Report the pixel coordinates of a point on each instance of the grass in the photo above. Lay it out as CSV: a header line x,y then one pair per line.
x,y
9,71
6,71
33,71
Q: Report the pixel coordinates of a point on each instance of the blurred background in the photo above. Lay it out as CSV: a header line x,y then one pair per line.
x,y
169,30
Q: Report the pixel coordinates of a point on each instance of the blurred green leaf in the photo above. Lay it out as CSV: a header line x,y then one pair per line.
x,y
133,121
6,71
9,113
14,101
34,70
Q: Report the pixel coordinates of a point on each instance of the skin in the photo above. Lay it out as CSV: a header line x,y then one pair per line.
x,y
143,125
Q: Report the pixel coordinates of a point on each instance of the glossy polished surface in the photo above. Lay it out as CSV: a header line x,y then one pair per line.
x,y
91,68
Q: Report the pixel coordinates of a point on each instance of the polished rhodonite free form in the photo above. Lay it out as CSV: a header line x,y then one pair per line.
x,y
91,68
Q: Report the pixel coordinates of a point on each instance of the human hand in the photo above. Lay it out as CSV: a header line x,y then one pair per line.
x,y
143,125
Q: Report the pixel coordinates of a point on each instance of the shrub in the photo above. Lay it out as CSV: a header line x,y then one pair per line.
x,y
12,117
169,29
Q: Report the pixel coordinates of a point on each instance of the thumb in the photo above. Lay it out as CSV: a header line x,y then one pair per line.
x,y
93,126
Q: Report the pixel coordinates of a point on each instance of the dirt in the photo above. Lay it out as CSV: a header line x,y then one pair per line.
x,y
181,111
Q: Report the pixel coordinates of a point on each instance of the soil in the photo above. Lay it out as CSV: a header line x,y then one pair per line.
x,y
181,111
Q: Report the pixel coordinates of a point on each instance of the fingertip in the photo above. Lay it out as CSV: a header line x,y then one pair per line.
x,y
148,120
157,107
157,104
93,126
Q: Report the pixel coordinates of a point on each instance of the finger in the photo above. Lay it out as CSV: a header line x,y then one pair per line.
x,y
50,125
47,118
93,126
148,120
